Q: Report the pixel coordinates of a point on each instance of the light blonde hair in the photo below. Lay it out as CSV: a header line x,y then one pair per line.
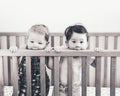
x,y
40,29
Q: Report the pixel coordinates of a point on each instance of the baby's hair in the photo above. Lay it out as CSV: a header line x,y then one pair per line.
x,y
40,29
77,28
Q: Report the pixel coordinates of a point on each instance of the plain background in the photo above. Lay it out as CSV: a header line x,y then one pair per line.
x,y
96,15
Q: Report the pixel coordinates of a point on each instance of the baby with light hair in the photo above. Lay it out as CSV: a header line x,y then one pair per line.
x,y
37,39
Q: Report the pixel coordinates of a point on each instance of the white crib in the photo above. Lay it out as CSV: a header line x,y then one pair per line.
x,y
106,73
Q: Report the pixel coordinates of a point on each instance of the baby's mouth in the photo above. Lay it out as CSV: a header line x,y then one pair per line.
x,y
78,48
34,48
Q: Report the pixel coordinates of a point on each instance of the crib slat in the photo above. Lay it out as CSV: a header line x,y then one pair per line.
x,y
1,72
21,41
61,40
97,41
56,76
14,75
28,75
105,62
112,76
11,42
84,76
42,76
88,75
69,80
5,60
52,41
88,42
115,42
52,45
98,76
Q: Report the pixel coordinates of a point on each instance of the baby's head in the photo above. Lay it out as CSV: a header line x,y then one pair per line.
x,y
76,37
38,37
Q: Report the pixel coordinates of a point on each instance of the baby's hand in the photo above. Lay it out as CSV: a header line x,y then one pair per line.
x,y
48,49
57,49
13,49
97,49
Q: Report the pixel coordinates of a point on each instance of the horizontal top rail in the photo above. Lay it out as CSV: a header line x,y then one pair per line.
x,y
5,52
60,34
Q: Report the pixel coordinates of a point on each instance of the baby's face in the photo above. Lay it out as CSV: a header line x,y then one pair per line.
x,y
36,41
78,42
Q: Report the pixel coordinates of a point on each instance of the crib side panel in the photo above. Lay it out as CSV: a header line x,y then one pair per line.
x,y
107,41
103,40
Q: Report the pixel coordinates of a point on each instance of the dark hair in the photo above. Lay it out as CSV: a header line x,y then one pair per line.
x,y
77,29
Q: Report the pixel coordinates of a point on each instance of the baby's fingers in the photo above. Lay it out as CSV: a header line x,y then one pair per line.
x,y
49,49
13,49
57,49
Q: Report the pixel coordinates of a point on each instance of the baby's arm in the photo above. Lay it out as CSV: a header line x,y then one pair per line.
x,y
50,60
93,63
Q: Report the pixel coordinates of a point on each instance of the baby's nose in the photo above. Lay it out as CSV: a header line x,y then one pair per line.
x,y
78,45
35,44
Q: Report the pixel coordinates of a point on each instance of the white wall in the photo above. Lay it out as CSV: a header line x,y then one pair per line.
x,y
96,15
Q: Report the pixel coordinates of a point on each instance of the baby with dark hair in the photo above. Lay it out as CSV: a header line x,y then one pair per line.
x,y
76,39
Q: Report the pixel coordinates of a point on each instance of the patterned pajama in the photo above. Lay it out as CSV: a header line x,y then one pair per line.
x,y
35,76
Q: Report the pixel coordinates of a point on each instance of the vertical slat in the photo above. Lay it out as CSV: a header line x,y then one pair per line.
x,y
105,63
21,41
115,42
14,74
28,75
52,73
5,60
1,72
84,76
69,80
88,42
112,76
56,76
52,41
42,78
61,40
88,70
97,41
98,76
17,41
11,42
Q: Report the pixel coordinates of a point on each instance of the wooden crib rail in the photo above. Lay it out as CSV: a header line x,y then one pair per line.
x,y
23,52
69,53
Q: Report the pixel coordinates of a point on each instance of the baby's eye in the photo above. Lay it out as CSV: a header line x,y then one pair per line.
x,y
74,41
81,41
32,41
39,43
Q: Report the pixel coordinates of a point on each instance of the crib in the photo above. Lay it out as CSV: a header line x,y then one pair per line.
x,y
106,75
